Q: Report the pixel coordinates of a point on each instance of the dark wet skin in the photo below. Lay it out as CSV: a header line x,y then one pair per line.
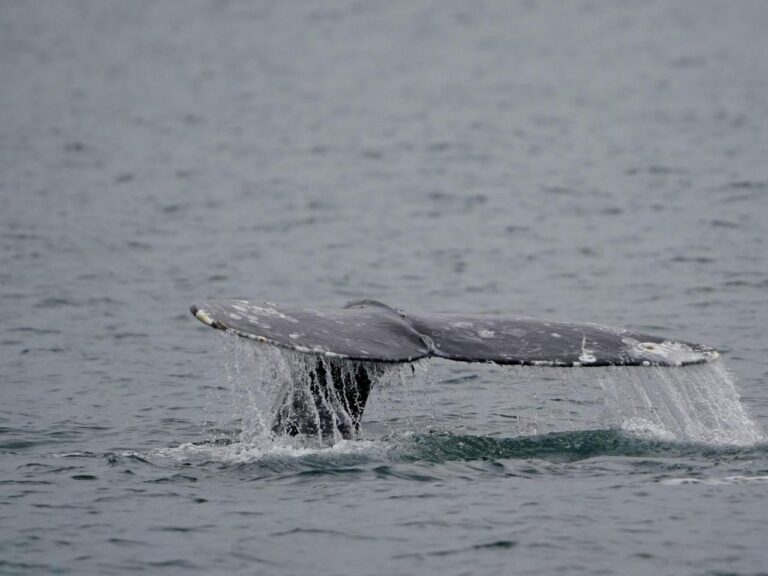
x,y
313,412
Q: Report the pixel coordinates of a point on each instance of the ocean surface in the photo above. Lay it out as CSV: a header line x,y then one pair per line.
x,y
584,161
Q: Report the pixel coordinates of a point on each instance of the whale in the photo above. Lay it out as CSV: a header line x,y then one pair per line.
x,y
344,350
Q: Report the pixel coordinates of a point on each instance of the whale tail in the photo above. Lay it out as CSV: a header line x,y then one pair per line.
x,y
345,350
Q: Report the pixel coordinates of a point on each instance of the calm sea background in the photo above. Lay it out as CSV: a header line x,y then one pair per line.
x,y
586,161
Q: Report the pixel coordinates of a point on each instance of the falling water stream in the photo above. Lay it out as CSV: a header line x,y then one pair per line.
x,y
696,404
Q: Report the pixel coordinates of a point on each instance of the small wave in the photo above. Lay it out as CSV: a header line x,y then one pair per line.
x,y
714,481
558,446
496,545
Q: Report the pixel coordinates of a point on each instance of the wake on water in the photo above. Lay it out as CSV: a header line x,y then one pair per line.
x,y
694,404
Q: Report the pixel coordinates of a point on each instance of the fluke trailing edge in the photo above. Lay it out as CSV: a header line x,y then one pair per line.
x,y
345,350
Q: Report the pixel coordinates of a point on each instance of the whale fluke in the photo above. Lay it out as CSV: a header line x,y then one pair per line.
x,y
372,331
344,350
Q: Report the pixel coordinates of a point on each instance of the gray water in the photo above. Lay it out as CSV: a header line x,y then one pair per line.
x,y
586,161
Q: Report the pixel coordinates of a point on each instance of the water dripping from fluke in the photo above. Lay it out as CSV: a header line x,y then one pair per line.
x,y
294,399
698,403
287,400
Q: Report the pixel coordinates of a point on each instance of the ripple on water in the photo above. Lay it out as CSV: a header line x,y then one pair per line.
x,y
716,481
391,456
